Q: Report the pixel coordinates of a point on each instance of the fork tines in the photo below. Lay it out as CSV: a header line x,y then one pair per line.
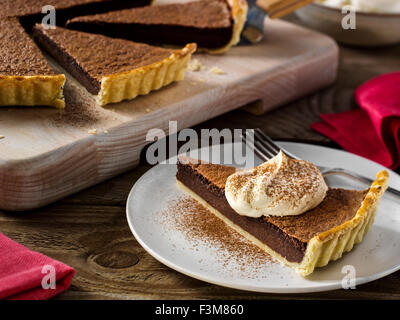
x,y
263,145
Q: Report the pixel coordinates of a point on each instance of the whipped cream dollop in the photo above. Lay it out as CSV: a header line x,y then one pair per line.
x,y
377,6
279,187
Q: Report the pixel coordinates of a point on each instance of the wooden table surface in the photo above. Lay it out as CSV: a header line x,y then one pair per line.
x,y
89,232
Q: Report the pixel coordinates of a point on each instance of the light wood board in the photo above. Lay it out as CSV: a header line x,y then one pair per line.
x,y
47,154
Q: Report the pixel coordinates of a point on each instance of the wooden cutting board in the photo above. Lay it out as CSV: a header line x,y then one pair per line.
x,y
47,154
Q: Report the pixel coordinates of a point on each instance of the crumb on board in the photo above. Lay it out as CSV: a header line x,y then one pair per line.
x,y
148,110
195,65
1,137
217,70
92,131
202,80
105,131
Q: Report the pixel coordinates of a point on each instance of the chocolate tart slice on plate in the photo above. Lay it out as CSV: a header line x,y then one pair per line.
x,y
303,242
26,78
113,69
215,25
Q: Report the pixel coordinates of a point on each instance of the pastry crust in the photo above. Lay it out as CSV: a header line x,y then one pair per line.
x,y
32,91
326,246
331,244
239,15
140,81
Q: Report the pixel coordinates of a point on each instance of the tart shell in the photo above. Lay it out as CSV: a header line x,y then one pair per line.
x,y
32,90
128,85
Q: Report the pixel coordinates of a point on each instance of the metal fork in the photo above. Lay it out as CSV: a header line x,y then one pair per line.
x,y
266,149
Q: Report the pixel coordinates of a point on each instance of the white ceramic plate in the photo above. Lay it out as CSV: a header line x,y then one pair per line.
x,y
377,256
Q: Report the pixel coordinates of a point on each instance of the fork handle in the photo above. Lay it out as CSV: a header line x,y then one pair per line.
x,y
343,172
280,8
355,176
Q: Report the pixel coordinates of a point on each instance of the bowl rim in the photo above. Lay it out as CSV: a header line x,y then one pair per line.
x,y
362,13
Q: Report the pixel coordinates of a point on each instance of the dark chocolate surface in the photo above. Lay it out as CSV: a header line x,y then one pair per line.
x,y
339,206
30,11
19,56
208,23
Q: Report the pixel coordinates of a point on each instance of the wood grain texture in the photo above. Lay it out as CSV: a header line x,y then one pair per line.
x,y
49,154
88,230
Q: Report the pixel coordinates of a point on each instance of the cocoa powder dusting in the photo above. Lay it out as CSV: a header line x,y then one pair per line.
x,y
77,115
200,226
216,173
80,111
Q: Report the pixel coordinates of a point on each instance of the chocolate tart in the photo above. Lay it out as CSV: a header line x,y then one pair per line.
x,y
215,25
113,69
302,242
30,12
26,79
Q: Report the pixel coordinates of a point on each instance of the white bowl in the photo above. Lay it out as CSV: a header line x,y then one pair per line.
x,y
372,29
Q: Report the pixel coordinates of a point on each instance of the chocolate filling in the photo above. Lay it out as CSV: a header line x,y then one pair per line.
x,y
91,57
208,23
19,56
287,246
157,34
96,7
66,61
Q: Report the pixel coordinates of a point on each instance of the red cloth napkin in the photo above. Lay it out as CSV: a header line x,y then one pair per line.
x,y
22,272
372,131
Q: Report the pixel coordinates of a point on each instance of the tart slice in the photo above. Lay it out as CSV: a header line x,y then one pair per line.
x,y
26,79
113,69
30,11
304,241
215,25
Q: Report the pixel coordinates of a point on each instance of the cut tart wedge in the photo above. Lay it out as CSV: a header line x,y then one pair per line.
x,y
113,69
215,25
302,242
30,12
26,78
